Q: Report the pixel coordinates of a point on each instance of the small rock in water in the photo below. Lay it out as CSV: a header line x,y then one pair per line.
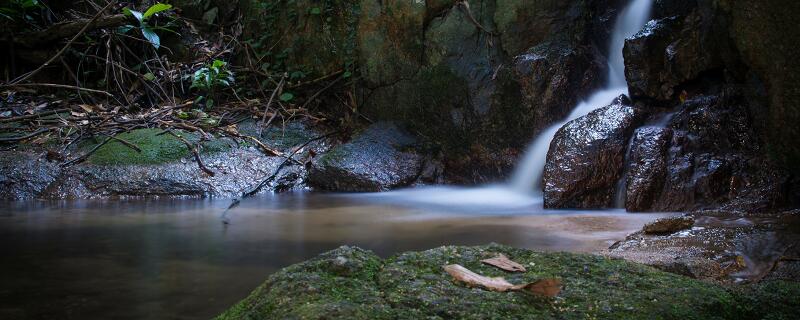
x,y
668,225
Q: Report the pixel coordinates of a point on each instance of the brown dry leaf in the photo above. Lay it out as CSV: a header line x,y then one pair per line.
x,y
475,280
544,287
503,262
86,108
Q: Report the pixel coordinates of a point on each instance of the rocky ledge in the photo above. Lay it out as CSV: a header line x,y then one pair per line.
x,y
149,163
719,245
351,283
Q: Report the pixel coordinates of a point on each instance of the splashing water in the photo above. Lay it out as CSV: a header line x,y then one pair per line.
x,y
528,175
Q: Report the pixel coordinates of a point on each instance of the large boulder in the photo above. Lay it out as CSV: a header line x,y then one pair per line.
x,y
378,159
696,47
586,157
706,156
350,283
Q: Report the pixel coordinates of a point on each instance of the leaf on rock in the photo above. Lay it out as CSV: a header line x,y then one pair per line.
x,y
503,262
473,279
544,288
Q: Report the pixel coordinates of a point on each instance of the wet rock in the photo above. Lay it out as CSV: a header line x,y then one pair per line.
x,y
549,70
707,156
413,285
669,52
25,174
164,167
586,157
235,171
722,245
380,158
647,167
668,225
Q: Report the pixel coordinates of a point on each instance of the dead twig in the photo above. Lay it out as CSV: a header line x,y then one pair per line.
x,y
25,137
86,155
267,180
61,86
194,151
36,115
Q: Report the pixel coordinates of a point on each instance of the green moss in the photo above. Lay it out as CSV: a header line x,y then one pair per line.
x,y
350,283
337,284
155,148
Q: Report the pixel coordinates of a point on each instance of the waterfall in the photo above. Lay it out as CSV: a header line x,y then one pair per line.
x,y
528,175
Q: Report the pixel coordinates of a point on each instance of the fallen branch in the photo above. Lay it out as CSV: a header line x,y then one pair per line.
x,y
53,85
269,103
265,181
194,151
86,155
32,116
25,137
126,143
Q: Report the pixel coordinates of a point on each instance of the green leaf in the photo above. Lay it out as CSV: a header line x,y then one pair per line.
x,y
217,64
156,8
134,13
149,76
152,37
315,11
124,29
347,74
286,97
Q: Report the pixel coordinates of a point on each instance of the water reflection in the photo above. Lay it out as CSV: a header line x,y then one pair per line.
x,y
175,259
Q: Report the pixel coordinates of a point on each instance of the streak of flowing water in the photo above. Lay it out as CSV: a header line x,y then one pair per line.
x,y
523,191
528,175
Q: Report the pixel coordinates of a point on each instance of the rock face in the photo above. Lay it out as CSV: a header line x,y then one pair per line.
x,y
350,283
378,159
721,149
587,155
482,75
706,156
24,175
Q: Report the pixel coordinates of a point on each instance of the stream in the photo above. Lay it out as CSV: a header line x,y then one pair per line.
x,y
175,259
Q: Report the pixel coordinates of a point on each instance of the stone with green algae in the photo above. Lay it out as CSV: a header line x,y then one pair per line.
x,y
350,283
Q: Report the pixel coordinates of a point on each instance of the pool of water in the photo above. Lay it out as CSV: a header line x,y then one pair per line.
x,y
176,259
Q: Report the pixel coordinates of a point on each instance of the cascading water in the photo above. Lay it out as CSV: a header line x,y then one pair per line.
x,y
528,174
522,190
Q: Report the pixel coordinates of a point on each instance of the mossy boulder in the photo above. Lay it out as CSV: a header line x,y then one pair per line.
x,y
156,148
349,283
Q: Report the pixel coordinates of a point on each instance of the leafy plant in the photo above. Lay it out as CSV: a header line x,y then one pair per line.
x,y
148,30
210,78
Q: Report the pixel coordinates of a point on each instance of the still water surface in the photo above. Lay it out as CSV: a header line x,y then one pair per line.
x,y
175,259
